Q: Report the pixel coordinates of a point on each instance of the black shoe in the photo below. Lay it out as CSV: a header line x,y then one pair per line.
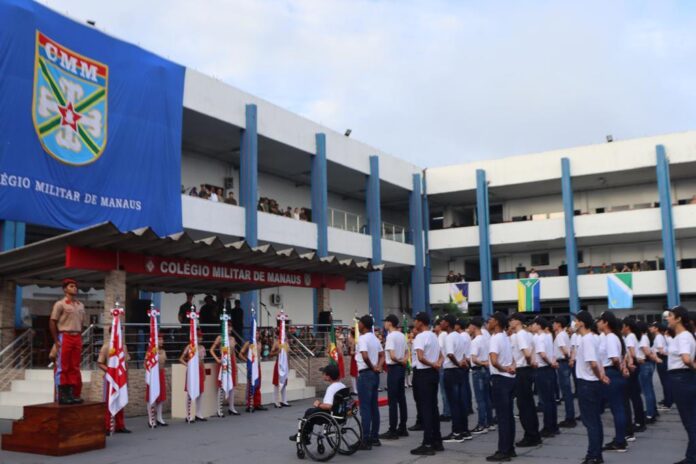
x,y
416,427
479,430
528,443
365,446
438,446
547,433
592,461
123,430
630,437
201,419
467,435
285,405
233,413
640,428
423,450
260,408
293,437
453,438
444,418
249,409
376,442
650,420
612,446
390,435
162,424
568,424
402,432
499,457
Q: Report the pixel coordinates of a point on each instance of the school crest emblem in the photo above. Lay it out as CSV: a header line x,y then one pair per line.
x,y
70,103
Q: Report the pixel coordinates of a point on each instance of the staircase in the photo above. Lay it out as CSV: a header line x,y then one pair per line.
x,y
35,388
297,387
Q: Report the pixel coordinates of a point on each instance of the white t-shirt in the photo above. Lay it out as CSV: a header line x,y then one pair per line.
x,y
574,340
602,350
479,348
683,343
587,351
331,392
396,341
441,337
369,343
486,334
543,344
500,344
613,348
643,343
631,341
466,342
659,343
428,343
521,340
561,341
453,346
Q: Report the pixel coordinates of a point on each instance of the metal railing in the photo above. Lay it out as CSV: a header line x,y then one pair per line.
x,y
15,358
300,357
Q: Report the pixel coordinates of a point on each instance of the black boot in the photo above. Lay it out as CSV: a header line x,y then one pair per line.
x,y
70,398
63,397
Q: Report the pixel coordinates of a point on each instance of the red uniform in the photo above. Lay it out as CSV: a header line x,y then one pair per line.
x,y
69,316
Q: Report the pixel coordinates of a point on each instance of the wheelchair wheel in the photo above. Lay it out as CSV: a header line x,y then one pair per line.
x,y
320,437
351,434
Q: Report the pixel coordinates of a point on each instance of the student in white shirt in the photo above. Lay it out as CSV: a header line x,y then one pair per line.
x,y
396,360
591,376
681,368
370,357
446,413
646,372
562,351
545,376
657,329
429,360
331,375
480,376
635,411
612,360
454,362
502,368
460,327
523,351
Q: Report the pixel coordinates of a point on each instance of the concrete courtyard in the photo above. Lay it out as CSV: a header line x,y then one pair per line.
x,y
262,438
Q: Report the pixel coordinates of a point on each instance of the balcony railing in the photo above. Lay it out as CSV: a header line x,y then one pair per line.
x,y
352,222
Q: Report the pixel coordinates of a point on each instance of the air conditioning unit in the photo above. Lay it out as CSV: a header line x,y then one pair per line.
x,y
229,183
276,299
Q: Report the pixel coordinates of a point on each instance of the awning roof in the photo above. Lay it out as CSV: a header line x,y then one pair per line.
x,y
43,262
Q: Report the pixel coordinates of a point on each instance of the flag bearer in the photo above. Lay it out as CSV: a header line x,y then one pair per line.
x,y
102,363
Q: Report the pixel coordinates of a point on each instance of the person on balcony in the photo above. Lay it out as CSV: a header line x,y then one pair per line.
x,y
533,274
67,319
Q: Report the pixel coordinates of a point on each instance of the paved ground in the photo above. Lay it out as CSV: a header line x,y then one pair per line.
x,y
262,438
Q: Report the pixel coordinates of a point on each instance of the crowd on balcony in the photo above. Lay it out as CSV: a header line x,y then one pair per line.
x,y
269,205
452,277
626,267
210,192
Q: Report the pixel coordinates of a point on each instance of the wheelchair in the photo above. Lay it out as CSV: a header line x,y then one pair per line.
x,y
323,434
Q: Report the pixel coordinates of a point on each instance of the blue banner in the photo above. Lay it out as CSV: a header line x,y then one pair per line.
x,y
90,127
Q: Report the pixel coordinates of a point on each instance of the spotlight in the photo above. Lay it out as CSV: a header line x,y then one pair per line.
x,y
610,138
348,132
91,22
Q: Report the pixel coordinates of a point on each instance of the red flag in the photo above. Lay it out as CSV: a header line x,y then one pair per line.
x,y
116,376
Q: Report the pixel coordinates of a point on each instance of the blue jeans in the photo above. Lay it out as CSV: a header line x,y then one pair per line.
x,y
503,391
368,383
667,399
454,388
645,376
545,379
396,392
683,383
443,395
481,380
566,389
613,393
590,402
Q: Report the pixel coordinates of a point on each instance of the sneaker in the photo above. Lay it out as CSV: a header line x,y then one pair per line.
x,y
662,407
592,461
640,428
453,438
528,443
423,450
402,432
444,418
612,446
492,427
467,435
650,420
438,446
390,435
479,430
376,442
568,424
630,437
364,446
547,433
499,457
416,427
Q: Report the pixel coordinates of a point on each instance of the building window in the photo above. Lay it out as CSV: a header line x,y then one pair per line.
x,y
540,259
580,257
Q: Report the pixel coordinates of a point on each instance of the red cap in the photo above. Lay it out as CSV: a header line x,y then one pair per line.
x,y
69,281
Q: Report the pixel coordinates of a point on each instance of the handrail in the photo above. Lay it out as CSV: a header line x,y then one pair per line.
x,y
15,358
28,334
309,352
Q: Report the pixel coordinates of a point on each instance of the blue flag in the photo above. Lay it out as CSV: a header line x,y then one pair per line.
x,y
90,126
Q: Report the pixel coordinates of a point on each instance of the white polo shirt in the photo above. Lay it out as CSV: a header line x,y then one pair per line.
x,y
659,343
479,348
500,344
427,342
521,340
643,343
455,347
466,342
331,392
543,344
396,341
369,343
613,348
587,351
684,343
561,341
631,341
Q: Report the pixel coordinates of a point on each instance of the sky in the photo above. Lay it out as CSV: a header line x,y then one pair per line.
x,y
437,82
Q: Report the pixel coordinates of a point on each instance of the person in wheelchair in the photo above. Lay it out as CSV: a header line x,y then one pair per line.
x,y
331,375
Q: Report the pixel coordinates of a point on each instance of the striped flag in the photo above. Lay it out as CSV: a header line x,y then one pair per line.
x,y
283,367
116,377
620,290
253,359
193,379
152,378
225,373
528,295
336,358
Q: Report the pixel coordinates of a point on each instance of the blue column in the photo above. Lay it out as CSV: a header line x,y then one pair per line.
x,y
13,236
416,224
374,223
663,188
248,198
426,230
484,243
571,248
320,206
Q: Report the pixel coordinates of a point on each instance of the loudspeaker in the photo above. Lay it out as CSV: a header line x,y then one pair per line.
x,y
137,312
